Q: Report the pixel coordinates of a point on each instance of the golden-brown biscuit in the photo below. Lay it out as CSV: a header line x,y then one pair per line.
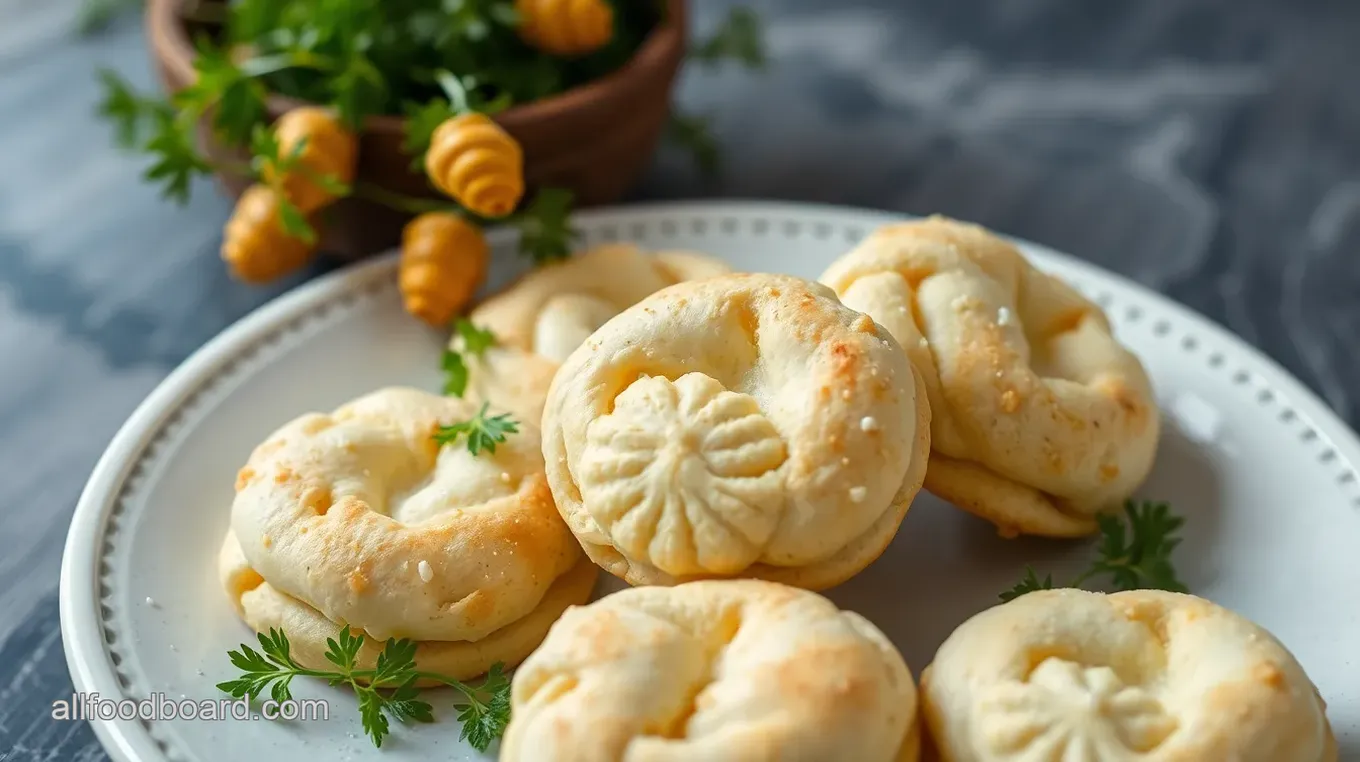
x,y
360,515
1141,676
546,314
262,607
746,425
720,671
1040,418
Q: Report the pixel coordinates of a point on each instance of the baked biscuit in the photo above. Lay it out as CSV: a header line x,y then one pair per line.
x,y
746,425
1141,676
360,516
720,671
261,606
546,314
1040,418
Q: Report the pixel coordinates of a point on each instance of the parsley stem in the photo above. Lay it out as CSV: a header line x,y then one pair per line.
x,y
400,201
462,687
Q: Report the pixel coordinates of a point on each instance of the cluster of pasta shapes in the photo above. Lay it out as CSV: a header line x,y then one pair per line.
x,y
729,444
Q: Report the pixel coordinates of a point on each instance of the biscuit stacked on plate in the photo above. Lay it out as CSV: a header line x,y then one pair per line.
x,y
359,517
730,443
1040,418
740,426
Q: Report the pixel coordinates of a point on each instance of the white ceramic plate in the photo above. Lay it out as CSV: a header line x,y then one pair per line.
x,y
1264,473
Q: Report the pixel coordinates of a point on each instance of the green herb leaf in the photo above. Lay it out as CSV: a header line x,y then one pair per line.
x,y
358,90
422,119
235,99
1029,584
264,150
251,19
737,38
294,222
371,716
276,648
330,183
280,692
455,373
695,134
120,105
475,340
1141,557
545,226
405,707
496,681
487,712
1133,556
482,432
398,658
390,691
343,650
484,723
176,158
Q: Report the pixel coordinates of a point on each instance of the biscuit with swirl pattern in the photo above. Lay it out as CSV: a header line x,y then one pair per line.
x,y
1138,676
745,425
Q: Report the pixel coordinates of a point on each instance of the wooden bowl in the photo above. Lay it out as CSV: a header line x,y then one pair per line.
x,y
594,139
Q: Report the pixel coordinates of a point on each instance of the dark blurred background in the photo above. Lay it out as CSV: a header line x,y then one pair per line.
x,y
1207,148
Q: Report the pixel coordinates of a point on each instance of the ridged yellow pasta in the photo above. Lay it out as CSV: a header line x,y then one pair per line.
x,y
477,164
330,151
566,27
443,261
254,243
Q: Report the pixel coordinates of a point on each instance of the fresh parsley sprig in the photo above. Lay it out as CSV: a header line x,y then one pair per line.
x,y
475,343
545,231
483,432
475,340
154,127
1132,556
386,692
233,96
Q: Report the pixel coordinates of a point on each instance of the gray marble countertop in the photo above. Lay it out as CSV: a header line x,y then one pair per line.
x,y
1207,148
